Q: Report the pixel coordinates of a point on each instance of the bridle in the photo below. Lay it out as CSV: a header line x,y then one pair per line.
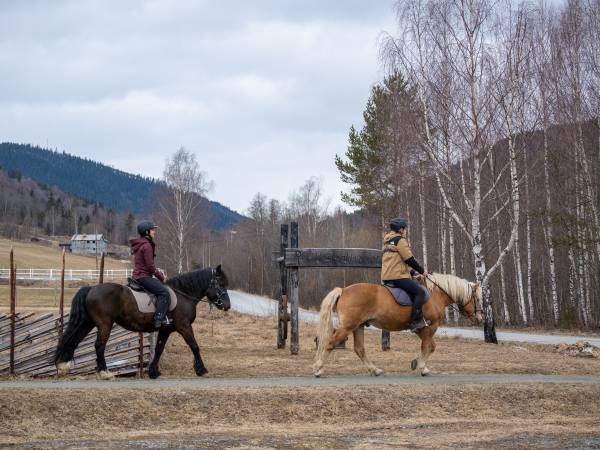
x,y
214,283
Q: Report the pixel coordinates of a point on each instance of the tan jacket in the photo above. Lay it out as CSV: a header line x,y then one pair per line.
x,y
393,266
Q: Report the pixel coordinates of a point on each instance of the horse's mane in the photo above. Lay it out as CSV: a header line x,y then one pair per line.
x,y
191,282
458,289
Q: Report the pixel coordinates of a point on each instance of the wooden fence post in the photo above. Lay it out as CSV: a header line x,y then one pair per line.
x,y
295,294
101,275
282,322
295,305
385,340
141,355
13,301
61,305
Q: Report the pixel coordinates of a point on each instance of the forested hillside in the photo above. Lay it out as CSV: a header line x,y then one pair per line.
x,y
96,182
29,208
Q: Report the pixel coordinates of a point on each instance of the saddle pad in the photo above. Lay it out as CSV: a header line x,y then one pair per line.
x,y
400,295
147,303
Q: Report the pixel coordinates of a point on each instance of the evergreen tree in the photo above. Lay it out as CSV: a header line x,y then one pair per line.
x,y
377,158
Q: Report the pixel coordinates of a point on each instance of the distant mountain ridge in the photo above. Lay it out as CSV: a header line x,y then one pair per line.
x,y
95,181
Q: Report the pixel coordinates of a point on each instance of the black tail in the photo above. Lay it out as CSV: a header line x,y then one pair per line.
x,y
78,327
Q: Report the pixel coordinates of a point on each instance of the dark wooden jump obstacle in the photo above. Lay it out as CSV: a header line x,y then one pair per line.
x,y
292,259
28,341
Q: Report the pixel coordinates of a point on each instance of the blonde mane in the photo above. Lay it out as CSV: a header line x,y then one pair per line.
x,y
458,289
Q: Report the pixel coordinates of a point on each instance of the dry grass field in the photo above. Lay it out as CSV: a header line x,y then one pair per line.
x,y
240,346
32,255
413,416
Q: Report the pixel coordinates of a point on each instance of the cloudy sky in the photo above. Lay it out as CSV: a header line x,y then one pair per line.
x,y
263,92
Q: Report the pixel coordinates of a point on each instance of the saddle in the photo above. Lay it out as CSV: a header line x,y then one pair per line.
x,y
400,295
134,285
146,301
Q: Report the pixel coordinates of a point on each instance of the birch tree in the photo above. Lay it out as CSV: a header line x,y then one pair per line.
x,y
186,185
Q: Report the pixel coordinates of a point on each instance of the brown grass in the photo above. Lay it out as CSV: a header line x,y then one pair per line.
x,y
428,416
27,297
31,255
233,345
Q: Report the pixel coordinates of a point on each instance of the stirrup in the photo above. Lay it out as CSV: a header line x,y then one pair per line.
x,y
419,325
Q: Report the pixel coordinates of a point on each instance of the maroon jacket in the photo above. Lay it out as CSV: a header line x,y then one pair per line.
x,y
143,257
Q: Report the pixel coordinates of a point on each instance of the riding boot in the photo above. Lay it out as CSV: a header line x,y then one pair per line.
x,y
160,316
417,322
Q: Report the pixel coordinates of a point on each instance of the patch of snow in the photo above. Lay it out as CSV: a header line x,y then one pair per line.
x,y
256,305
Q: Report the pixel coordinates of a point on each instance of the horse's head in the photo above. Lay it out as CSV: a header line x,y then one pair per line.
x,y
472,307
217,290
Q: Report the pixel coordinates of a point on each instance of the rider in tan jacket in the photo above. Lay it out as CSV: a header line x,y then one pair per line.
x,y
397,267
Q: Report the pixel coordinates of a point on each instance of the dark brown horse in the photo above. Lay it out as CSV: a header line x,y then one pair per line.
x,y
362,303
105,304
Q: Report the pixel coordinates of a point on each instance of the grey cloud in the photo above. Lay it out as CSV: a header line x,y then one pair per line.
x,y
254,88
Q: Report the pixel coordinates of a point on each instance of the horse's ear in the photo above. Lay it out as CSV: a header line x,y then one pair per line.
x,y
218,269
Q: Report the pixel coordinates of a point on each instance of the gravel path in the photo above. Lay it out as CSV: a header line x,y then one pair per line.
x,y
208,383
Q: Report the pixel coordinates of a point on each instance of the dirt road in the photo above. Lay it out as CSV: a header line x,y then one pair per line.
x,y
207,383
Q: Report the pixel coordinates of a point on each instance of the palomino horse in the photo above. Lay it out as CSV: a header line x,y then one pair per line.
x,y
371,304
104,304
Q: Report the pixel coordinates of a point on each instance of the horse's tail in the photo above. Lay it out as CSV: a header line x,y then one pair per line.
x,y
78,327
326,320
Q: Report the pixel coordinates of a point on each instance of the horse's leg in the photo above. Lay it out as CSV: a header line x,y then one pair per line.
x,y
64,362
188,335
359,349
163,335
427,348
339,336
103,335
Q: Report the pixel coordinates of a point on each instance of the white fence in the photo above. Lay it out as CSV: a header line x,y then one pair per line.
x,y
70,274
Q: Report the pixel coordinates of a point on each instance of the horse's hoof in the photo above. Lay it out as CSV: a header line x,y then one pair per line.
x,y
318,373
153,373
106,375
201,371
376,372
413,364
63,368
425,374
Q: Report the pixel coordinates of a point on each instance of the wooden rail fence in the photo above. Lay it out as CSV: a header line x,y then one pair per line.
x,y
28,341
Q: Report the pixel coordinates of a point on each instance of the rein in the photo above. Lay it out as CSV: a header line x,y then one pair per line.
x,y
214,284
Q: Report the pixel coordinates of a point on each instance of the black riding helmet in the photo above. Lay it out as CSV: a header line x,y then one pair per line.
x,y
397,223
144,227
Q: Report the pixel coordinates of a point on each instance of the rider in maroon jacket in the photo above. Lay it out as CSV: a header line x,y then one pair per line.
x,y
146,273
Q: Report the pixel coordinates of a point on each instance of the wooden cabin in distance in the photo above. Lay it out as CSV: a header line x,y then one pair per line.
x,y
88,244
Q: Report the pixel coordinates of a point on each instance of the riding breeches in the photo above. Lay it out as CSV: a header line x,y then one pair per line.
x,y
154,286
417,292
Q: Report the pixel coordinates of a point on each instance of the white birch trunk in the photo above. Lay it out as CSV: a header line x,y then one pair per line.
x,y
502,280
423,222
549,228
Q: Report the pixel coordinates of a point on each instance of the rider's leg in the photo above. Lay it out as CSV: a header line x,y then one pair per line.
x,y
154,286
419,295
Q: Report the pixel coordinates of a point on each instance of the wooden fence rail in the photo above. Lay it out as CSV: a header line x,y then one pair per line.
x,y
36,337
28,341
